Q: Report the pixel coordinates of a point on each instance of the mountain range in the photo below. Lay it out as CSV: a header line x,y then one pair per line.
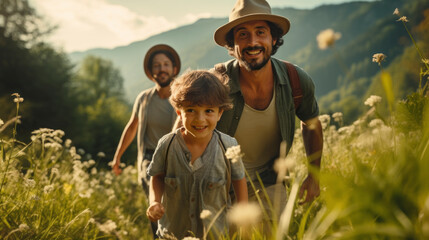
x,y
366,28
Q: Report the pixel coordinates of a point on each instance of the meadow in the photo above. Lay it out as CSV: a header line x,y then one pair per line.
x,y
373,180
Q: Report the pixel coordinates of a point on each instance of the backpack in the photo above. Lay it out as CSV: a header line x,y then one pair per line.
x,y
293,81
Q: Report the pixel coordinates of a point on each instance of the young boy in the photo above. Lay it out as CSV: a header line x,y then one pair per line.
x,y
189,185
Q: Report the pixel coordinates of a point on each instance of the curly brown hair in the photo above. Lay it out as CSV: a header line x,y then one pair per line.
x,y
200,87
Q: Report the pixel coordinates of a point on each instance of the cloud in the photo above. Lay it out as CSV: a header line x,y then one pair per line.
x,y
87,24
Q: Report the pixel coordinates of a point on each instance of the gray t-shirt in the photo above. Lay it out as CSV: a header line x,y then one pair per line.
x,y
190,190
159,117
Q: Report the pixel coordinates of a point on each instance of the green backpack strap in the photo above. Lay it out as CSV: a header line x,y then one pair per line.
x,y
294,83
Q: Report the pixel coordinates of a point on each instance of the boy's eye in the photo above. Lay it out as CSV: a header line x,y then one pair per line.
x,y
189,110
209,110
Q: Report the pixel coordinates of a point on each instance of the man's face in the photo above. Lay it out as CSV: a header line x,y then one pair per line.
x,y
253,44
163,70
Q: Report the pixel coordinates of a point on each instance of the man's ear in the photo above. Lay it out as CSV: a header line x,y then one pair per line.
x,y
175,71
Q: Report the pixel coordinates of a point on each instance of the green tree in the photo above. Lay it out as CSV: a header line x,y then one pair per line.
x,y
103,111
96,78
20,22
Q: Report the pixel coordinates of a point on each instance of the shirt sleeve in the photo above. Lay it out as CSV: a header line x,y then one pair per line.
x,y
308,108
157,165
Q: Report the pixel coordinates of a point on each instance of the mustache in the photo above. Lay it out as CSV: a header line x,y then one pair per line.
x,y
159,73
253,48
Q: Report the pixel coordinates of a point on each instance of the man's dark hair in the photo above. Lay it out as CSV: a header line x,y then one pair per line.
x,y
276,33
166,53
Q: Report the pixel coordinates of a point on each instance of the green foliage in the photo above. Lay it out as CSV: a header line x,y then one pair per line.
x,y
49,192
20,23
102,112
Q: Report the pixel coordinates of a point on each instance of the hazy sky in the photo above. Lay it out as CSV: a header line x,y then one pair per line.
x,y
85,24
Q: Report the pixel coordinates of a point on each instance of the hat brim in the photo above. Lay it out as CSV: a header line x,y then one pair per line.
x,y
220,33
154,49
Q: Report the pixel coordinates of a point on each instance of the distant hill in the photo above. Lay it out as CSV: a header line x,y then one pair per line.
x,y
366,28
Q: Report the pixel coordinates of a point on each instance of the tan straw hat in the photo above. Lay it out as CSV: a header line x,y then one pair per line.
x,y
155,49
249,10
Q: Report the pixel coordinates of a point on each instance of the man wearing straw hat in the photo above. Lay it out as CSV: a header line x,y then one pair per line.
x,y
152,115
264,111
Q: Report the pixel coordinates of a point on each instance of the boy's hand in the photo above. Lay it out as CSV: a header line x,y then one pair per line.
x,y
155,211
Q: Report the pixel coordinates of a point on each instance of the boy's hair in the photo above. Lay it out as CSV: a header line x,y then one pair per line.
x,y
200,87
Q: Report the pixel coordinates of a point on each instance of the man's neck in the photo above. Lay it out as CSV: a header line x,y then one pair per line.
x,y
164,92
257,86
256,79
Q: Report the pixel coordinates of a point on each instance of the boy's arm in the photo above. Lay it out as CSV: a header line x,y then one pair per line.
x,y
155,210
240,188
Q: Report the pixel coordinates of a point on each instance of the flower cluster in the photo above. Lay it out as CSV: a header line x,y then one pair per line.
x,y
234,153
378,58
373,100
327,38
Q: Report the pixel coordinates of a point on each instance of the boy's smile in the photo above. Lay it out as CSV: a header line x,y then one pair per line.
x,y
199,121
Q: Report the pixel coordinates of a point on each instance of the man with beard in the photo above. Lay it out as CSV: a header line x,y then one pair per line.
x,y
152,115
264,111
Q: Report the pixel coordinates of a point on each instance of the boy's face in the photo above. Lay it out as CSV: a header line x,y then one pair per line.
x,y
199,121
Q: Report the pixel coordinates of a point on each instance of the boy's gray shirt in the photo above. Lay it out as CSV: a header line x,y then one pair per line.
x,y
188,191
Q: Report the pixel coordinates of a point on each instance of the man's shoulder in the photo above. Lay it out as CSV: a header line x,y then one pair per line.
x,y
144,93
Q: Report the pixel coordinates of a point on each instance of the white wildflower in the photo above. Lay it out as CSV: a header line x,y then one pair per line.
x,y
68,143
18,100
373,100
376,123
205,214
403,19
327,38
338,117
48,188
91,162
1,122
324,120
234,153
378,58
424,60
29,183
190,238
245,214
101,155
55,171
86,194
23,227
396,12
108,226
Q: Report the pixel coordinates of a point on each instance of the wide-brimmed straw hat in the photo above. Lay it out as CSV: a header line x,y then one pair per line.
x,y
155,49
249,10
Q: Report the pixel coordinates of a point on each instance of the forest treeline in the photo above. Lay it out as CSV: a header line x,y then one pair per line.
x,y
85,101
